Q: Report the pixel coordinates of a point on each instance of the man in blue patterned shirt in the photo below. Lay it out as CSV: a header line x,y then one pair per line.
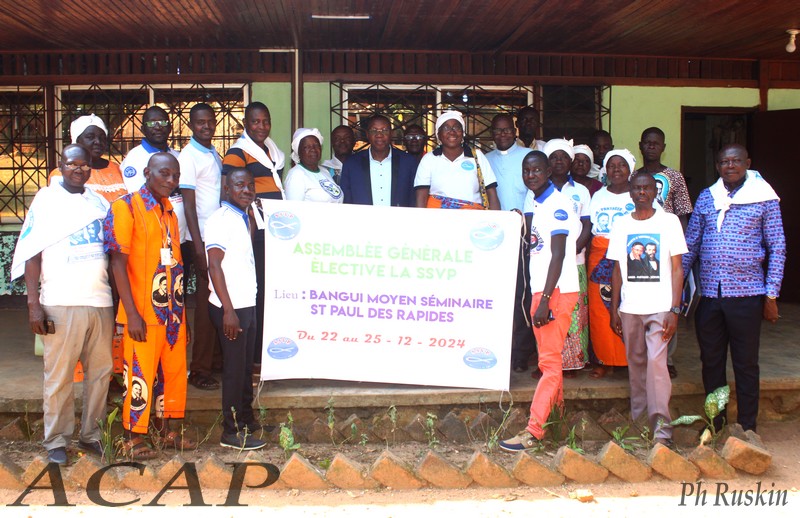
x,y
735,228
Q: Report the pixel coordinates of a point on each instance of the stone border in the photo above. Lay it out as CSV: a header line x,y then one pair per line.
x,y
739,453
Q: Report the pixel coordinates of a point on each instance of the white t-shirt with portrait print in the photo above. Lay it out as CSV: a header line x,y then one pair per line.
x,y
646,279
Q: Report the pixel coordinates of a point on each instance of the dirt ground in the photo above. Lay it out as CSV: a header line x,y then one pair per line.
x,y
612,497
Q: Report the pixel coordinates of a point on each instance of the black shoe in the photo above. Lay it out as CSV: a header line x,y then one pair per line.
x,y
57,455
256,427
241,441
93,447
519,366
673,372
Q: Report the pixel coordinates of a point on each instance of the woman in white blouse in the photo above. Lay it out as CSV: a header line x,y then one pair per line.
x,y
309,181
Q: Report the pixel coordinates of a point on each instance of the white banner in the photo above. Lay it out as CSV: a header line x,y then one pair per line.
x,y
389,294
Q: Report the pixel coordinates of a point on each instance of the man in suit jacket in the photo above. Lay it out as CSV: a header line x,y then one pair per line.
x,y
381,174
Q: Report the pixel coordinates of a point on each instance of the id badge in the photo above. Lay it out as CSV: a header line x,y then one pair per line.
x,y
166,257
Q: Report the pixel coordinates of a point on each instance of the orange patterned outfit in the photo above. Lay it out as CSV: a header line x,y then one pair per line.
x,y
154,370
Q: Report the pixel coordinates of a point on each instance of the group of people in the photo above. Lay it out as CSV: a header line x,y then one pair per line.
x,y
595,227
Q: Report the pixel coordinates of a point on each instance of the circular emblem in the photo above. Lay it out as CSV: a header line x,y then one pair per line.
x,y
487,236
480,358
284,225
629,207
560,215
576,197
605,292
536,241
467,165
331,188
139,394
282,348
129,172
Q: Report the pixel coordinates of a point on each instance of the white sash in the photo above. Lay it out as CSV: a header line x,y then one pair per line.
x,y
54,214
754,190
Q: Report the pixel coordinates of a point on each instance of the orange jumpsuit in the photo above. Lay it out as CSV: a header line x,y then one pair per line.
x,y
154,370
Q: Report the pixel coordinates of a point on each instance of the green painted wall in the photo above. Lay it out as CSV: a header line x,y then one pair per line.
x,y
783,99
278,98
634,108
317,112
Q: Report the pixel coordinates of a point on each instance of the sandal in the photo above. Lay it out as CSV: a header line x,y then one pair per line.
x,y
601,371
136,448
177,441
203,381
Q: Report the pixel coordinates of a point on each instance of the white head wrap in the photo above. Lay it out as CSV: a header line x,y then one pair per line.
x,y
451,115
559,143
80,124
624,153
299,135
584,150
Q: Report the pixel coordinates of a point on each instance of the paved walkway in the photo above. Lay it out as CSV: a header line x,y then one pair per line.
x,y
21,372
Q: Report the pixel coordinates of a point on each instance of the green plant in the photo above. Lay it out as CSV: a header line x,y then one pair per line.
x,y
325,463
330,412
493,438
216,423
624,442
572,441
556,424
286,436
107,439
364,439
430,430
715,403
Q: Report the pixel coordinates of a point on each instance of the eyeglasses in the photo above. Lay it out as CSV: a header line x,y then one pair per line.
x,y
452,129
733,161
156,124
412,138
503,131
73,167
384,131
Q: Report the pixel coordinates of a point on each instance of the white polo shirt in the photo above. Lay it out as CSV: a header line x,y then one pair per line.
x,y
552,214
228,229
201,171
580,198
304,185
132,168
457,179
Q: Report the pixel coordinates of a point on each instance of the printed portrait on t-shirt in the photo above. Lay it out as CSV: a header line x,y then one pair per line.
x,y
643,262
603,219
91,233
662,188
160,290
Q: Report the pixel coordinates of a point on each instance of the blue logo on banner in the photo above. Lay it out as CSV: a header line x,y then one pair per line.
x,y
467,166
560,215
284,225
129,172
480,358
487,236
282,348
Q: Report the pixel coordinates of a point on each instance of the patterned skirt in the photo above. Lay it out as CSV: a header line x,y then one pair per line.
x,y
575,354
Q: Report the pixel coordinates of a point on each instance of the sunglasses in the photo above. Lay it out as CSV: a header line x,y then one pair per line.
x,y
156,124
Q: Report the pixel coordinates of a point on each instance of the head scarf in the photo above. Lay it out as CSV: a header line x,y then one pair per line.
x,y
451,115
625,154
584,150
80,124
299,135
559,143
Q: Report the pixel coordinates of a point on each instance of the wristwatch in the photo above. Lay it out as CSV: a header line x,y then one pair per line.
x,y
675,310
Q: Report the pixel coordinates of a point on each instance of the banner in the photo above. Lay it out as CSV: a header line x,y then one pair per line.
x,y
389,294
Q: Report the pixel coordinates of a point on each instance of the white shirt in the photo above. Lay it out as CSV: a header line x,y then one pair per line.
x,y
457,179
304,185
646,282
132,168
380,178
201,171
606,207
552,214
507,167
75,269
580,198
228,229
